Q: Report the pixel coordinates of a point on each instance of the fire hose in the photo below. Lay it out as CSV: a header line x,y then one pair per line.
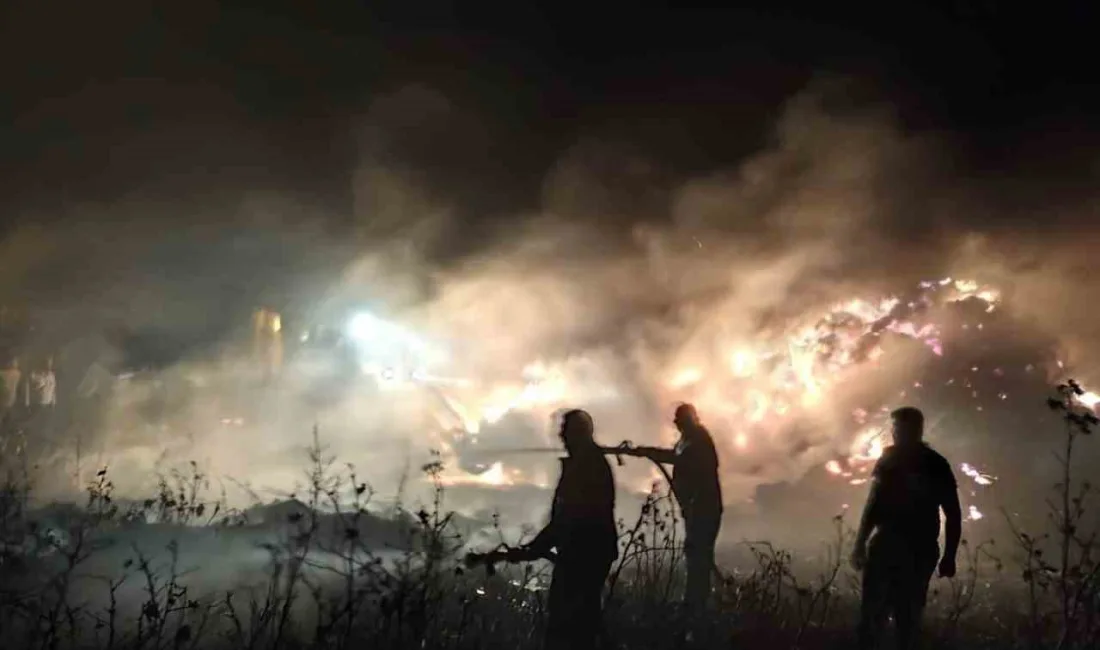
x,y
626,446
505,553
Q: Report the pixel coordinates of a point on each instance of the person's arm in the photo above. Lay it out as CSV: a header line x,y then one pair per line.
x,y
542,544
656,454
547,538
953,514
871,512
869,518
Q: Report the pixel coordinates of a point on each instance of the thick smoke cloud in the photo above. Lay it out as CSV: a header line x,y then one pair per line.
x,y
645,270
621,273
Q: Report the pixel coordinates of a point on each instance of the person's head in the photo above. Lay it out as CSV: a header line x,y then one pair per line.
x,y
686,419
908,426
577,431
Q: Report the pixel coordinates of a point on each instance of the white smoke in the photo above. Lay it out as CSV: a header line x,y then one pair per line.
x,y
621,277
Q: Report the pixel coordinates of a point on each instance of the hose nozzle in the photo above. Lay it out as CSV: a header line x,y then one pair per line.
x,y
617,451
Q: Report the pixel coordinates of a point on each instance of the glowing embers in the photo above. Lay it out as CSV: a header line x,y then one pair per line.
x,y
763,387
744,363
757,390
976,476
1088,399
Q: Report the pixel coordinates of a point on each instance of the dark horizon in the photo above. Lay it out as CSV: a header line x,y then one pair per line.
x,y
128,101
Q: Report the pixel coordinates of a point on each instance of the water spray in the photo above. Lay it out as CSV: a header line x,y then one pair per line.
x,y
616,451
515,450
505,553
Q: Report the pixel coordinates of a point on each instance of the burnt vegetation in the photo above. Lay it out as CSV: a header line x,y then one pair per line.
x,y
340,574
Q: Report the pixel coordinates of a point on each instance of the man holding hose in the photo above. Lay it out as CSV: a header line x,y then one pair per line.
x,y
583,534
698,491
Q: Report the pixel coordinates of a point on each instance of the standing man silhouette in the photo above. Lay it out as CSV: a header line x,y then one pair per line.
x,y
910,484
582,531
697,489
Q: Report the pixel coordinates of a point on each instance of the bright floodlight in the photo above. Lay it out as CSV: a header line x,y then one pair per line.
x,y
365,327
380,342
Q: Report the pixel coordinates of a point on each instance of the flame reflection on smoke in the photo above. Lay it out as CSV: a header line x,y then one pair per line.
x,y
761,387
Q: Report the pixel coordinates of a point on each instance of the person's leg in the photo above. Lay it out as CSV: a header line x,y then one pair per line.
x,y
875,596
43,421
575,604
695,588
7,443
557,604
591,630
916,575
699,558
584,606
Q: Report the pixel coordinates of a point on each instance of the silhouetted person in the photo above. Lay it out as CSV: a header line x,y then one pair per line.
x,y
42,398
582,531
909,486
12,393
698,491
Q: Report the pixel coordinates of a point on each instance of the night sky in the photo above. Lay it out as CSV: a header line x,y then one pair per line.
x,y
104,99
163,118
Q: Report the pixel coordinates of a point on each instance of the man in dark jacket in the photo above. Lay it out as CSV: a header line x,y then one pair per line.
x,y
910,484
698,491
582,531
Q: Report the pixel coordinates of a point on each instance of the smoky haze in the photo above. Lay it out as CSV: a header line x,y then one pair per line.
x,y
618,272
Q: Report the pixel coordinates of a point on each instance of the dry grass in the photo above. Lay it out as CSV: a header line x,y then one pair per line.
x,y
329,582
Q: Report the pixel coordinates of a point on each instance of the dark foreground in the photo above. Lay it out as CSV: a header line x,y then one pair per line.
x,y
101,579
